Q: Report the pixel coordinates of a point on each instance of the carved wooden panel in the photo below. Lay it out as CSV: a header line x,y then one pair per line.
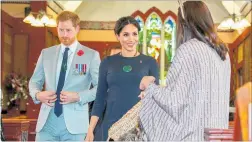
x,y
15,129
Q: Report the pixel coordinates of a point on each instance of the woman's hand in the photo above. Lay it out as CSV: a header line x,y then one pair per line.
x,y
146,81
92,125
142,95
90,136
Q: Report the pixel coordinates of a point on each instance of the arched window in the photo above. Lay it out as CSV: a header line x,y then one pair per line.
x,y
153,36
157,37
141,23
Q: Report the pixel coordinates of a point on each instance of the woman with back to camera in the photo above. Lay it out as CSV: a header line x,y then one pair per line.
x,y
198,82
119,78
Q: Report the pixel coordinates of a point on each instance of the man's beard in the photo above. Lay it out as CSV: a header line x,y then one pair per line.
x,y
67,41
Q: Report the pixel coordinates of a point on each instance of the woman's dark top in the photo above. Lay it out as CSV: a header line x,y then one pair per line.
x,y
118,88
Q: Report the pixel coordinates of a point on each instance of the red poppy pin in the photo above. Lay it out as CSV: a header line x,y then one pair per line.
x,y
80,52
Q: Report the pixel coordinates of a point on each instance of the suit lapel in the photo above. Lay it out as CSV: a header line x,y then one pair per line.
x,y
72,66
54,66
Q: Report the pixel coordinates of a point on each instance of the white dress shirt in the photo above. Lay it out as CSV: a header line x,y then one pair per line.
x,y
71,52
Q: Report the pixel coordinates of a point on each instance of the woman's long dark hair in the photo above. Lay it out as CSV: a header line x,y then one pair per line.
x,y
124,21
198,23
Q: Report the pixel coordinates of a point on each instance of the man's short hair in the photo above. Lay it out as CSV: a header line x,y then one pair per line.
x,y
68,15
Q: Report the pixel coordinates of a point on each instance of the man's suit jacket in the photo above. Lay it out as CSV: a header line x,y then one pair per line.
x,y
75,114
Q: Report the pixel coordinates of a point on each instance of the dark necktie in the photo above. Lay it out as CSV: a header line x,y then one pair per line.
x,y
61,81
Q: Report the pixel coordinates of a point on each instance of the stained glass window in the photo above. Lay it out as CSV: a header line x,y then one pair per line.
x,y
169,42
153,35
157,39
141,23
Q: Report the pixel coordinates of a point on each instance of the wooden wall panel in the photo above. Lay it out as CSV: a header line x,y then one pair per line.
x,y
7,50
37,41
241,66
49,39
240,53
21,47
247,65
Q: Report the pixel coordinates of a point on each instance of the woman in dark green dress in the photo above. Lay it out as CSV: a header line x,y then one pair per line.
x,y
119,79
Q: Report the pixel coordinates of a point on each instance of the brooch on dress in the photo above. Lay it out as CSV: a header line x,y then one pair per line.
x,y
127,68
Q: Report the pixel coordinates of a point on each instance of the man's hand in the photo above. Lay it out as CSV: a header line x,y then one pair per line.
x,y
69,97
47,97
146,81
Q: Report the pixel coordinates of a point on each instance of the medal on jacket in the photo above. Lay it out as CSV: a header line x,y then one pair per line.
x,y
127,68
80,69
